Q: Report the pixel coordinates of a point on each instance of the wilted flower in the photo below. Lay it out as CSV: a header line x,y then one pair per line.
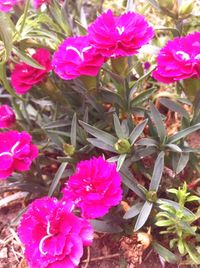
x,y
179,59
119,36
24,76
95,187
53,236
7,116
38,3
16,152
7,5
76,57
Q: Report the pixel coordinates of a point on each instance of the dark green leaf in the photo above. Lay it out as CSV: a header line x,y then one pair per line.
x,y
133,211
73,131
144,96
105,227
174,107
137,131
157,172
120,161
174,148
183,133
165,253
143,216
147,142
101,145
194,255
118,128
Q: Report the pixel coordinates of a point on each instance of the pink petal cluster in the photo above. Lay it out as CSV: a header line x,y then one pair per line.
x,y
37,3
16,152
53,236
121,36
179,59
24,76
76,57
7,5
95,187
7,116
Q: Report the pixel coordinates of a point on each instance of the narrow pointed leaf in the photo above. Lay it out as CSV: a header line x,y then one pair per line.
x,y
133,211
100,144
105,227
98,133
118,128
137,131
183,133
165,253
143,216
173,106
157,172
120,161
174,147
73,130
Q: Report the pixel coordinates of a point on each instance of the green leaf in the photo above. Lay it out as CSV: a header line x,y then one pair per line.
x,y
105,227
120,161
137,131
165,253
6,33
174,147
73,131
118,128
57,178
179,161
100,144
147,142
143,216
142,97
163,223
28,60
157,172
194,255
100,134
157,119
192,198
183,133
133,211
173,106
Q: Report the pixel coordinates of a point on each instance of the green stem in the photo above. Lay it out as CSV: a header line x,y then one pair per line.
x,y
24,16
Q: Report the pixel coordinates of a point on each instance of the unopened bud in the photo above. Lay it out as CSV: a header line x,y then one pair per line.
x,y
69,149
122,146
151,196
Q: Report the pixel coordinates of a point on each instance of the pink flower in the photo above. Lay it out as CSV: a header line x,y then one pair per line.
x,y
16,152
53,236
76,57
24,76
179,59
37,3
7,5
95,187
119,36
7,116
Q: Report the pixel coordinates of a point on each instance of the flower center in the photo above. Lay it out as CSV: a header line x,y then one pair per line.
x,y
79,53
45,238
120,30
184,55
12,151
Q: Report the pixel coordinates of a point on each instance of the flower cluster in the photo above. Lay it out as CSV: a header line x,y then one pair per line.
x,y
179,59
24,76
7,116
16,152
108,36
95,187
53,236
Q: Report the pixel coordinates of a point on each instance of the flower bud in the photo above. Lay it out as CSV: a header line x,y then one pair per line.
x,y
185,8
69,149
122,146
151,196
7,116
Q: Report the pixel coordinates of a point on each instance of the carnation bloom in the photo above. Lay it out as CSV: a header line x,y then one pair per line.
x,y
179,59
7,5
24,76
119,36
16,152
38,3
95,187
76,57
53,236
7,116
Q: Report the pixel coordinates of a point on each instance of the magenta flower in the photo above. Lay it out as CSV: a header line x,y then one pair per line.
x,y
179,59
53,236
76,57
7,5
119,36
7,116
16,152
37,3
95,187
24,76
